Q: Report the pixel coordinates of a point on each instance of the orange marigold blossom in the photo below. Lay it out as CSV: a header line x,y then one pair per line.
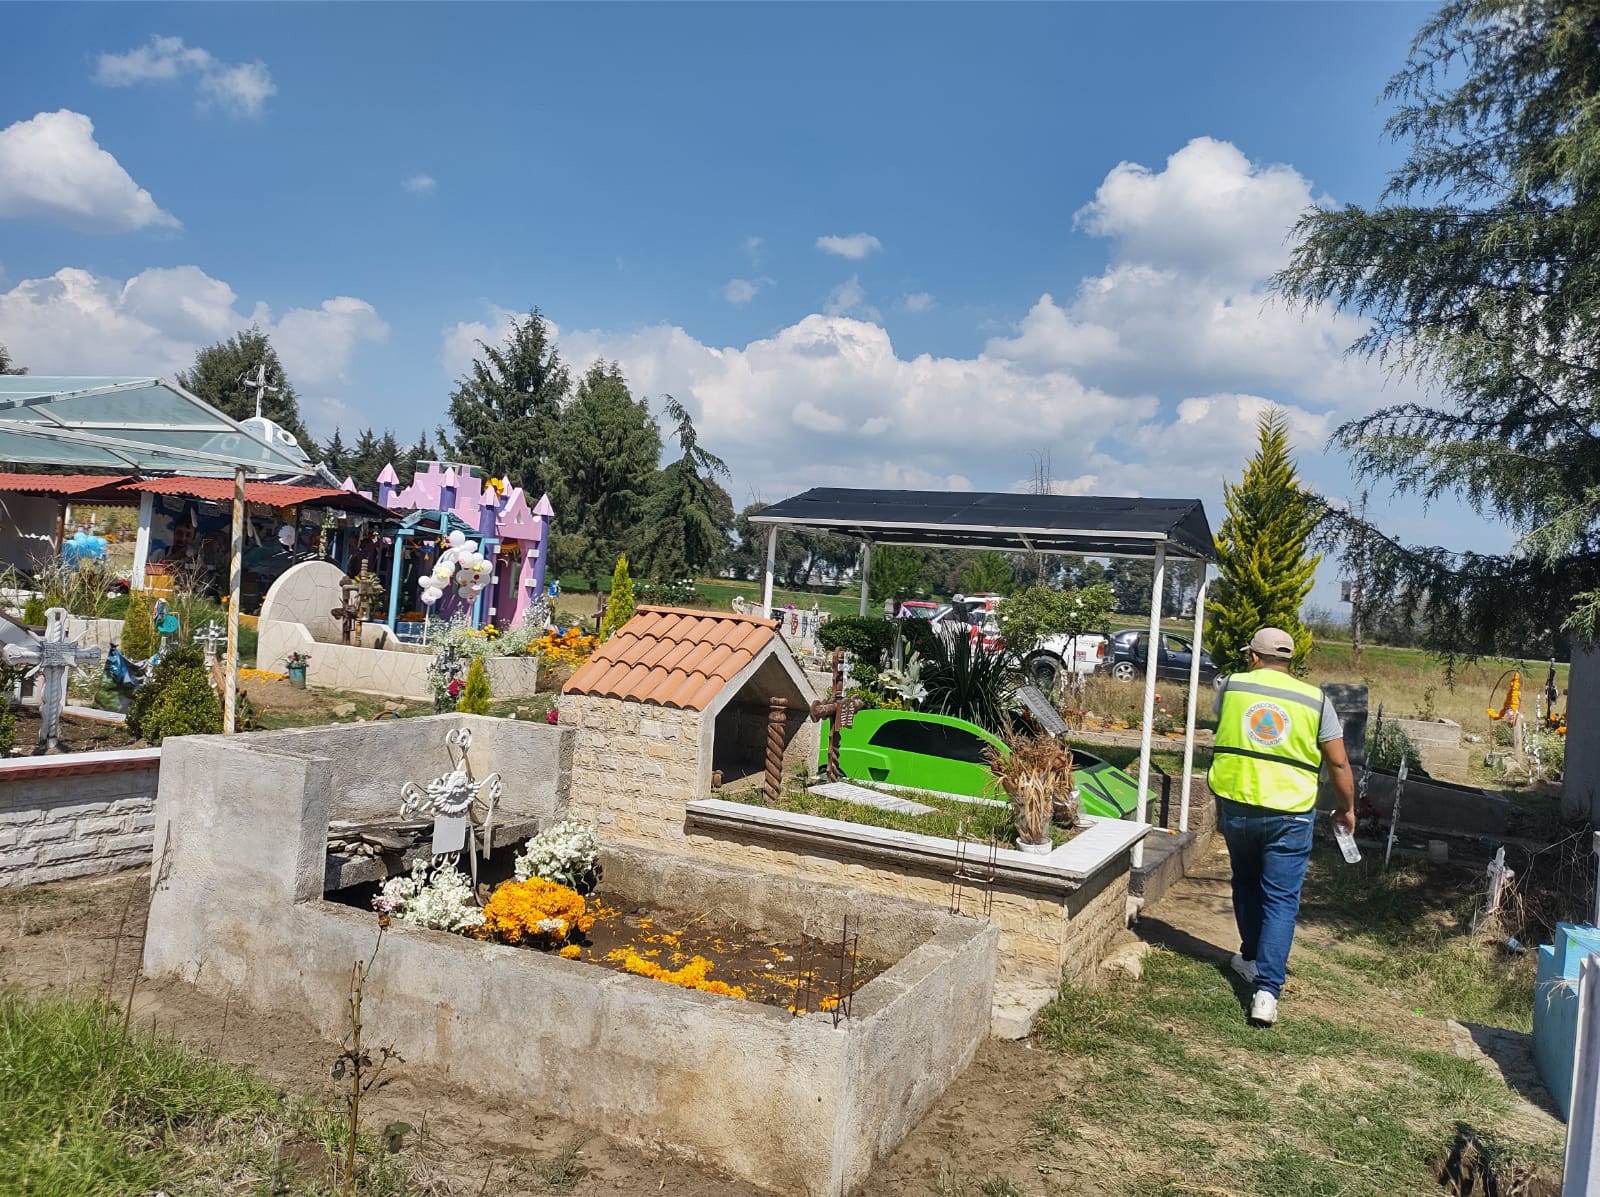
x,y
572,951
690,976
534,909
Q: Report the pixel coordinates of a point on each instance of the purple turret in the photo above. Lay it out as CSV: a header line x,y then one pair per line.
x,y
447,491
543,511
388,484
488,512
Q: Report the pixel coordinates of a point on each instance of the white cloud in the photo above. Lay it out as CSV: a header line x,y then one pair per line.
x,y
239,89
461,340
740,291
855,246
52,167
420,184
917,301
1146,378
76,322
1210,212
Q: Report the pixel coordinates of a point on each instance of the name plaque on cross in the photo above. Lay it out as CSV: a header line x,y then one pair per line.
x,y
1043,710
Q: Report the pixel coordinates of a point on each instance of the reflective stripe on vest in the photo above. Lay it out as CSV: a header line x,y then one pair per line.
x,y
1266,752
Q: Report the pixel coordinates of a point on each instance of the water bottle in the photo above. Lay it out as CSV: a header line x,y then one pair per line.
x,y
1347,844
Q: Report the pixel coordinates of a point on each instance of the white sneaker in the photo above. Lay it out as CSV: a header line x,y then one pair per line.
x,y
1263,1009
1245,968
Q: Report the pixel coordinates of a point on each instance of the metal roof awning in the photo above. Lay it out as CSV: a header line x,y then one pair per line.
x,y
125,423
220,490
1006,523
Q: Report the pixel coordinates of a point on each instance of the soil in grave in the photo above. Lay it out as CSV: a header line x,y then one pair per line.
x,y
792,972
77,735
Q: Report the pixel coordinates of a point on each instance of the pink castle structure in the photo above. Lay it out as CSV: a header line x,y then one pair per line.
x,y
513,535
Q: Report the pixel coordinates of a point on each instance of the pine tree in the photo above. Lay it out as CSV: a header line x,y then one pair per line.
x,y
689,516
336,456
475,694
1262,553
619,609
218,373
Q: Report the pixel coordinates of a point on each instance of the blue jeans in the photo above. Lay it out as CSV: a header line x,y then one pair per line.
x,y
1268,850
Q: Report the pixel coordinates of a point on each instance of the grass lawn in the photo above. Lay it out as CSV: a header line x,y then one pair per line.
x,y
1353,1094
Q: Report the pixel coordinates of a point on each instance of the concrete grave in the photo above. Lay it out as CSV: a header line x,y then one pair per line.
x,y
296,616
796,1104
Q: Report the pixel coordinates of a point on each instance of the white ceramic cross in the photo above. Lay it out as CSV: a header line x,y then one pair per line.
x,y
450,798
52,656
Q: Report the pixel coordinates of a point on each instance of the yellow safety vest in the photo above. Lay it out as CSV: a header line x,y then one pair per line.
x,y
1266,752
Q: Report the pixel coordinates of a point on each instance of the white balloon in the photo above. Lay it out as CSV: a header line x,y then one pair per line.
x,y
468,547
456,538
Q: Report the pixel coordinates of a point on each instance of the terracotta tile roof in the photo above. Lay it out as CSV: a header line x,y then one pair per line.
x,y
57,485
672,657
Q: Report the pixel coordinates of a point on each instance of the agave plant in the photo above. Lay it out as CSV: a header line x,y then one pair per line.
x,y
968,679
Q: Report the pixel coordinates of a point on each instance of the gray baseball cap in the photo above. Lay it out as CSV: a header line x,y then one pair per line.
x,y
1273,642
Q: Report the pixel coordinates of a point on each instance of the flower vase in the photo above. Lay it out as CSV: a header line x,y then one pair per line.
x,y
297,676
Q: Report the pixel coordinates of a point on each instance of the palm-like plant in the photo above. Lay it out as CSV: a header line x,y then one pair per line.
x,y
967,679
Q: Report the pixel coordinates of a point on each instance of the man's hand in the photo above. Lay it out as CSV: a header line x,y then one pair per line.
x,y
1345,817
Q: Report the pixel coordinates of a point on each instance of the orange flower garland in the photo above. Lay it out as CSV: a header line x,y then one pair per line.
x,y
534,909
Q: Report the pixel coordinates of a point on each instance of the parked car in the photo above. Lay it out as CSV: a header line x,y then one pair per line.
x,y
1126,656
946,755
919,609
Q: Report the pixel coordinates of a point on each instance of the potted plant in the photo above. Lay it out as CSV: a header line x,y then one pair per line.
x,y
1036,774
297,663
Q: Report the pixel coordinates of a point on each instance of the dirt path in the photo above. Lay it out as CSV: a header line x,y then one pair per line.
x,y
992,1131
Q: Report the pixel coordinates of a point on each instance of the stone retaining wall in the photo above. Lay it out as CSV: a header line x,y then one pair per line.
x,y
83,815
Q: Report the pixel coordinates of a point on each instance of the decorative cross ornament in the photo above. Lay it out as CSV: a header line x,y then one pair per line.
x,y
839,709
52,655
450,799
349,612
210,638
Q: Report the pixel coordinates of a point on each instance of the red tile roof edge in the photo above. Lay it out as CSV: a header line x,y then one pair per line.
x,y
700,613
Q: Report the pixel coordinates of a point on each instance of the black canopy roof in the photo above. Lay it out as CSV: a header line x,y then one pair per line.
x,y
1007,523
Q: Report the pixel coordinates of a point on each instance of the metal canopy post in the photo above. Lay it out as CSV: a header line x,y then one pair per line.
x,y
141,543
1194,694
230,684
866,573
394,576
766,578
1151,653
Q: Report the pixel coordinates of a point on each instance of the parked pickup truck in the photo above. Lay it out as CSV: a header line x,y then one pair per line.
x,y
1057,656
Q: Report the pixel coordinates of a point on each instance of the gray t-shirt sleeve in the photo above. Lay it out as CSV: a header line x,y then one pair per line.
x,y
1331,728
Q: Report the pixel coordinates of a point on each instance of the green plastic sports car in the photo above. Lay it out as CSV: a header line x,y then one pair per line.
x,y
945,754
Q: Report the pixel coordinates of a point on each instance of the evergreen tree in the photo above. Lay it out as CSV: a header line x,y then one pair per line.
x,y
620,608
506,409
7,365
898,574
1262,553
604,462
419,452
689,515
475,693
365,461
218,374
987,573
336,457
1476,271
138,629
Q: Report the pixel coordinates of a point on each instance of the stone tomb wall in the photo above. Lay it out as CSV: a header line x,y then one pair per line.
x,y
794,1104
86,814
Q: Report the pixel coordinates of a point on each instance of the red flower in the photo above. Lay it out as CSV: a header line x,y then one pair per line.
x,y
552,716
454,688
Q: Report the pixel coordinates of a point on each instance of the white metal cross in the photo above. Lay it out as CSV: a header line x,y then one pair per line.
x,y
210,638
52,655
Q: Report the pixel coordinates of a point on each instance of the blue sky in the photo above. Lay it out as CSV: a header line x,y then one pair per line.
x,y
875,245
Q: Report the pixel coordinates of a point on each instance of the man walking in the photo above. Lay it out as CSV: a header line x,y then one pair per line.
x,y
1274,734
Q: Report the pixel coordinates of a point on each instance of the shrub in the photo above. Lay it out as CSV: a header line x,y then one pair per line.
x,y
667,594
969,681
8,727
1040,612
869,640
619,610
138,629
1390,746
33,610
475,694
177,700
